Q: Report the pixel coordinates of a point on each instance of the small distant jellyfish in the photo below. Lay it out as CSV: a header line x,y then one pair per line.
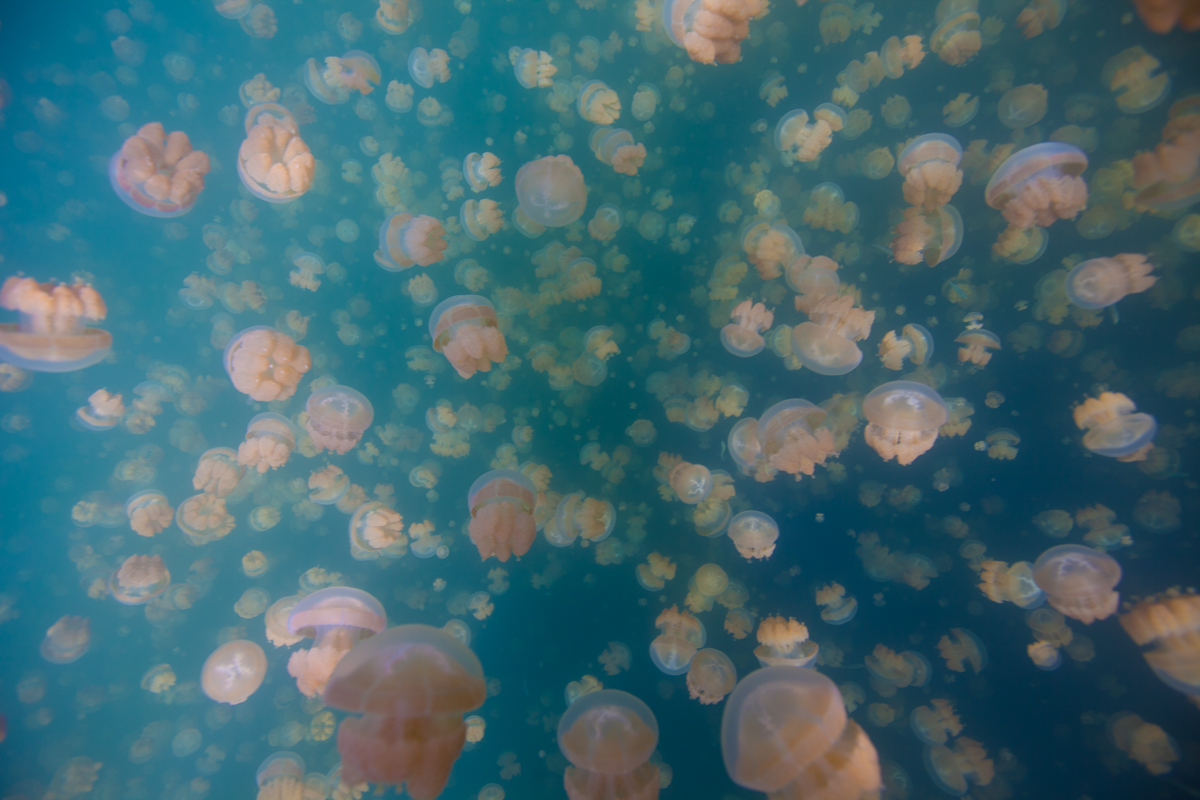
x,y
405,240
837,608
355,70
616,147
337,417
784,642
426,67
233,672
149,512
253,602
139,580
551,191
281,775
680,636
956,39
1078,581
465,329
711,676
481,218
52,336
743,337
399,97
157,174
481,171
1114,427
203,519
67,640
598,104
645,102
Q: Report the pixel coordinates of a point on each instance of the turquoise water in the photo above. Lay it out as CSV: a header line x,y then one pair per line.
x,y
69,98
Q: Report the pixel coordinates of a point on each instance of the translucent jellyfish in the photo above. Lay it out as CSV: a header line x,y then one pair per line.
x,y
616,658
501,503
233,672
1039,184
336,618
481,171
465,329
609,736
976,346
1101,282
203,519
1144,742
532,67
218,472
270,439
263,518
837,608
327,486
935,723
139,580
645,101
598,104
680,636
711,676
951,770
67,640
754,534
932,236
962,647
273,161
337,418
605,224
929,165
826,343
280,775
52,336
785,732
956,39
1158,511
149,512
405,240
265,364
897,670
999,583
784,642
654,574
1166,626
1114,429
896,111
1130,75
797,139
615,147
1078,581
411,678
427,66
158,679
914,344
710,30
551,191
903,417
332,83
157,174
1040,16
960,110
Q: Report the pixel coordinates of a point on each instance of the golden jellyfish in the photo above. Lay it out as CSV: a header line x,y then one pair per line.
x,y
891,670
67,640
976,344
710,30
711,676
615,147
149,512
952,769
377,530
52,336
836,607
1040,16
896,111
465,330
935,723
588,684
929,165
532,68
691,483
1167,626
609,736
355,70
336,618
1144,742
1113,428
276,622
904,418
273,162
1055,523
1000,582
156,174
914,344
616,658
139,580
406,240
158,679
654,574
929,236
797,139
233,672
743,337
1162,17
265,364
270,439
770,247
826,342
878,163
1101,282
785,731
551,191
218,472
281,777
960,110
337,418
784,642
502,524
1023,106
1129,75
203,519
754,534
961,647
680,636
1039,184
1078,581
956,39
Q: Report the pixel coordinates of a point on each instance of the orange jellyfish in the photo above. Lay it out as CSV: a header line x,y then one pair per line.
x,y
67,640
914,344
355,70
51,336
1101,282
784,643
929,165
233,672
412,684
218,472
1161,16
1168,627
711,676
609,736
337,417
754,534
377,530
837,608
139,580
797,139
785,732
890,670
1000,583
336,618
710,30
964,648
465,330
502,504
1113,429
826,343
1023,106
1168,177
405,240
270,439
203,519
265,364
680,636
743,337
1078,581
149,512
615,147
929,236
273,161
551,191
956,39
951,769
1039,184
936,722
157,174
904,418
1040,16
1144,742
1129,75
690,482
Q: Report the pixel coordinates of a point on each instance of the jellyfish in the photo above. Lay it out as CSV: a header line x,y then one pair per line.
x,y
67,640
1166,626
465,329
273,162
616,658
711,676
654,574
270,439
336,618
1078,581
427,66
1039,184
1000,583
1128,74
960,110
956,39
903,417
149,512
710,30
615,147
327,486
609,736
203,519
218,472
405,240
890,670
598,104
797,139
501,503
52,336
265,364
680,636
1040,16
784,642
139,580
233,672
1101,282
914,344
964,648
929,165
826,343
754,534
412,684
337,417
935,723
1114,429
481,171
976,342
158,679
551,191
355,70
1168,177
157,174
785,732
532,67
690,482
951,769
837,608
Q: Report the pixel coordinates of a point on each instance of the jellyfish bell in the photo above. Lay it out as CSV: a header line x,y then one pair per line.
x,y
412,684
502,503
743,444
158,174
609,736
233,672
551,191
1040,168
465,329
1101,282
52,336
1078,581
692,482
903,417
337,417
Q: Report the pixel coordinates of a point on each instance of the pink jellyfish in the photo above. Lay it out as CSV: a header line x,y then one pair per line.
x,y
1078,581
929,236
405,241
265,364
139,580
609,736
1039,184
929,165
337,417
792,438
270,439
1101,282
412,684
336,618
157,174
502,524
754,534
233,672
743,337
710,30
551,191
273,161
51,336
465,329
904,418
67,640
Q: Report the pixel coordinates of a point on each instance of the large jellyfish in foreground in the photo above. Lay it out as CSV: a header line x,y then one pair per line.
x,y
51,336
412,684
785,732
1078,581
904,418
1171,623
609,736
502,523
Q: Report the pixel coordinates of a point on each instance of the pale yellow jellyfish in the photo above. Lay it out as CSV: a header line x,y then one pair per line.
x,y
711,676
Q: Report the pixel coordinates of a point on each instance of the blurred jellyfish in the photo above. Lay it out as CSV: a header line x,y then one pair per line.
x,y
680,636
551,191
337,417
1114,429
67,640
914,344
336,618
1078,581
1101,282
743,337
826,343
837,608
710,30
754,534
532,68
465,329
51,336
